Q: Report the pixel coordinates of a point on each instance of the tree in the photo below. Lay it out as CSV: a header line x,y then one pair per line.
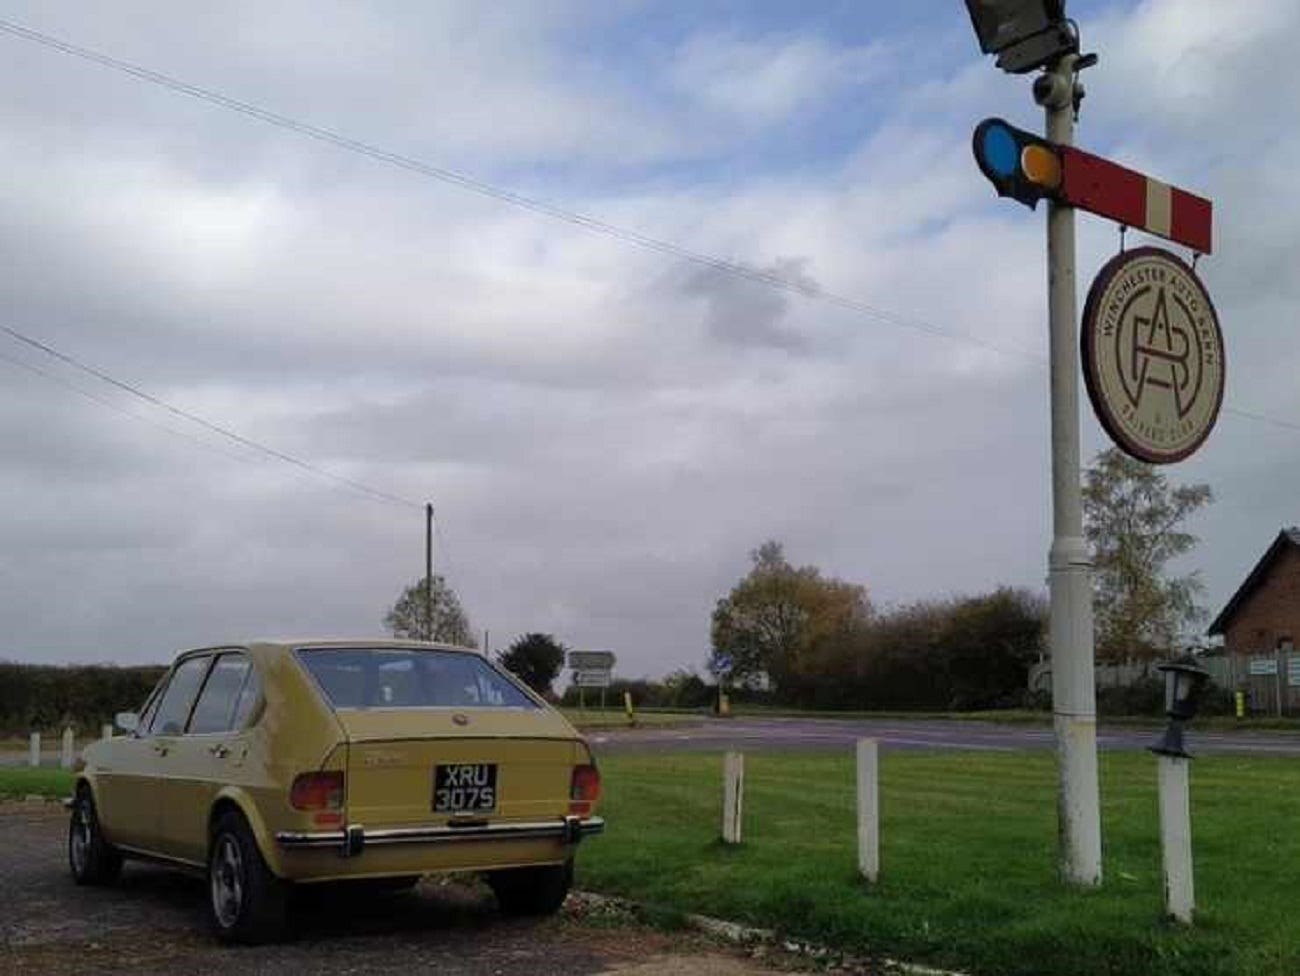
x,y
535,659
407,617
779,622
1132,518
988,645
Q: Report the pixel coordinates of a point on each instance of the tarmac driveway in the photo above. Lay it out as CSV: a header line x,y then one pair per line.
x,y
152,922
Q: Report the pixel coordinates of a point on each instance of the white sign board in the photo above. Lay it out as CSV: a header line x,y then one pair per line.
x,y
591,678
1153,355
1293,670
1263,665
591,660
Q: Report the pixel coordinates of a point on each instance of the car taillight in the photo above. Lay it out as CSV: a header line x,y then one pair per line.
x,y
584,790
317,791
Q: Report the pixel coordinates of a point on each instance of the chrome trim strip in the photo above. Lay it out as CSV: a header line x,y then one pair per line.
x,y
140,854
570,829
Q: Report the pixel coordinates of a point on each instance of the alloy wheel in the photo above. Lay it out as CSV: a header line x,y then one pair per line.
x,y
227,880
80,837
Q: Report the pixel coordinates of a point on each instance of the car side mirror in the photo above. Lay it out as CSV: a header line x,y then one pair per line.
x,y
127,721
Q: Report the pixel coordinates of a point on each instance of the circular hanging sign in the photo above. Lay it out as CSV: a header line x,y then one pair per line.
x,y
1153,355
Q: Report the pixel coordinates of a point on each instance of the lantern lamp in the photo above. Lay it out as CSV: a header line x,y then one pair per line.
x,y
1185,681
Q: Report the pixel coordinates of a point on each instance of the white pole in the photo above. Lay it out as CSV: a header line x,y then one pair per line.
x,y
733,796
106,731
1176,837
868,810
34,750
1074,699
69,746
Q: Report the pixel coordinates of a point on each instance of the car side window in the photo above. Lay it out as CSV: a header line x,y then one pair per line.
x,y
215,709
151,706
246,701
174,705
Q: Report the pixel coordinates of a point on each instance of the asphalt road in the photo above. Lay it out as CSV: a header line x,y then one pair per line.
x,y
152,922
801,733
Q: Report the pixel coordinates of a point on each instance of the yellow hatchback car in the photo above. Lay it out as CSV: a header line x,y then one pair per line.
x,y
271,764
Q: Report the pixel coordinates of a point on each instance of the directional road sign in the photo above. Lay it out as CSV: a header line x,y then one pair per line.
x,y
591,660
595,678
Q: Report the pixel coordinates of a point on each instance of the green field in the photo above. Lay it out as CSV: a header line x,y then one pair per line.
x,y
968,860
22,781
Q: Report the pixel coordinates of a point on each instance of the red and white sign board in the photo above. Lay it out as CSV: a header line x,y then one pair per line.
x,y
1110,190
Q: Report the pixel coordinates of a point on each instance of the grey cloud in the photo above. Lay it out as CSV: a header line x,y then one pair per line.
x,y
605,433
748,313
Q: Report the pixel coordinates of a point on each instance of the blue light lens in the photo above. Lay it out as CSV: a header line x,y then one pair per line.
x,y
1001,151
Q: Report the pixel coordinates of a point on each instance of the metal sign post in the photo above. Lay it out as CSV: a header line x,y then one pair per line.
x,y
1074,698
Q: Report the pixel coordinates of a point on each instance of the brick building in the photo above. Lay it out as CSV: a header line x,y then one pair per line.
x,y
1260,625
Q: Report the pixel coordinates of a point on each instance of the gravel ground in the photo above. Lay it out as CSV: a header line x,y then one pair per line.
x,y
152,922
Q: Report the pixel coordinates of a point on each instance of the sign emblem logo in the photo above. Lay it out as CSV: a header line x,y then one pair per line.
x,y
1153,355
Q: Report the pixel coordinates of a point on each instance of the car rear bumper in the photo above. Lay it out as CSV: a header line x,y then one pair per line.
x,y
356,838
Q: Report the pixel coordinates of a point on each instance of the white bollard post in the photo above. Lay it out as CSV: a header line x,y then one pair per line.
x,y
106,731
733,796
34,751
69,746
868,809
1176,837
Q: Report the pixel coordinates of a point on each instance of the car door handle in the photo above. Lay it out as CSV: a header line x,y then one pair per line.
x,y
220,750
160,749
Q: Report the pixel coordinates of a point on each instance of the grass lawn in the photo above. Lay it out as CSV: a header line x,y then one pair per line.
x,y
968,850
21,781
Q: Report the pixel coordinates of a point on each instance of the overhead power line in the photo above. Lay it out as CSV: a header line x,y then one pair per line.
x,y
596,225
208,425
738,269
1263,418
45,374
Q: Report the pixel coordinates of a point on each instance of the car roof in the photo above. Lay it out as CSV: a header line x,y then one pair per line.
x,y
283,645
359,643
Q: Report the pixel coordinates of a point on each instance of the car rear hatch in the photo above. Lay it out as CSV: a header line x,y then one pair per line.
x,y
409,767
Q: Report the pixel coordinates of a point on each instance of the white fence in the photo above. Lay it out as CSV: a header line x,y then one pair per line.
x,y
66,756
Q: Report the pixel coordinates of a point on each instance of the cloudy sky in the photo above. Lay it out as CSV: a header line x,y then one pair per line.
x,y
605,430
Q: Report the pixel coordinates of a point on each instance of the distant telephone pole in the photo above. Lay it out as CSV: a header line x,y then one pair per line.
x,y
428,571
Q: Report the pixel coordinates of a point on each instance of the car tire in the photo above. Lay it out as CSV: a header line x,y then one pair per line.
x,y
247,903
92,859
532,891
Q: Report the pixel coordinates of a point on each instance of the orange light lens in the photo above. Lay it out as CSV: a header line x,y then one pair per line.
x,y
1041,166
317,791
584,790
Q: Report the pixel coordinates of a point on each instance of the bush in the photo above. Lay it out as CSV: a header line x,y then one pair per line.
x,y
1146,696
37,696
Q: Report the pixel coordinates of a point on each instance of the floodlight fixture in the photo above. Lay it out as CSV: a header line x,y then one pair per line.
x,y
1024,34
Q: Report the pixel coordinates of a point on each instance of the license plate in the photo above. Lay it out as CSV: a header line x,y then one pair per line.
x,y
465,788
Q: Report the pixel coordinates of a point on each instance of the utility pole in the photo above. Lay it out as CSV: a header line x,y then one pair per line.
x,y
1074,700
428,571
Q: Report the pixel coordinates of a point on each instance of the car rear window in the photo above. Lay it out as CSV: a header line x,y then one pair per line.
x,y
360,677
